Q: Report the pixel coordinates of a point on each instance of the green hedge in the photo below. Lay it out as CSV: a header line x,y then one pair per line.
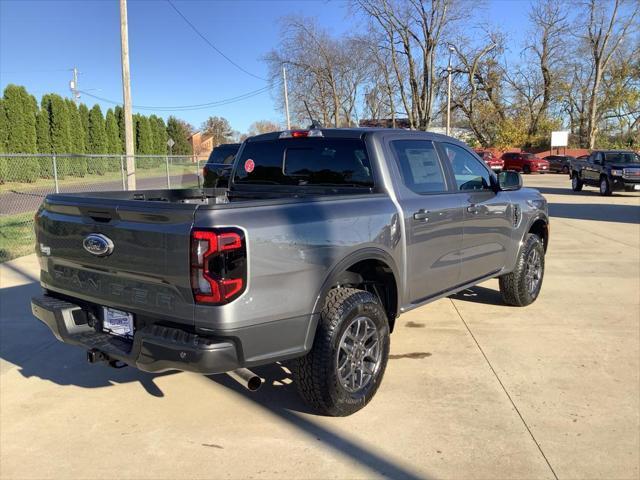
x,y
20,169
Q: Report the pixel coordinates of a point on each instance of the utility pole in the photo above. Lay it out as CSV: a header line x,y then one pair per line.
x,y
126,93
451,50
73,85
286,96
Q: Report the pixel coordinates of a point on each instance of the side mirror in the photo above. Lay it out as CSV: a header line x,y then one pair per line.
x,y
509,181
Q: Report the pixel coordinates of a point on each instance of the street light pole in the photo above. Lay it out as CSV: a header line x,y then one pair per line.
x,y
451,50
126,93
286,96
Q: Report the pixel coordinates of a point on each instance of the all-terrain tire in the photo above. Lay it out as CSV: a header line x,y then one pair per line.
x,y
316,374
576,182
513,286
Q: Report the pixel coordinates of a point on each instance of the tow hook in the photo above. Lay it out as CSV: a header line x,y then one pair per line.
x,y
94,356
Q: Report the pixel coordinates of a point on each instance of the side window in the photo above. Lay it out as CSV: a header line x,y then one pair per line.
x,y
419,165
470,174
598,158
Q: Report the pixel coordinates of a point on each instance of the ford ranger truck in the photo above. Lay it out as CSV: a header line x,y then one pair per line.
x,y
322,239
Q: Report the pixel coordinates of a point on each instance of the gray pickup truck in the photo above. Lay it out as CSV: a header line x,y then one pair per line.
x,y
323,238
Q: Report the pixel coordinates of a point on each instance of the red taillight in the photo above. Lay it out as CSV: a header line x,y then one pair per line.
x,y
218,265
299,133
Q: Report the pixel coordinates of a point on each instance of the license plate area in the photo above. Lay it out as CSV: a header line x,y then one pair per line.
x,y
636,187
117,322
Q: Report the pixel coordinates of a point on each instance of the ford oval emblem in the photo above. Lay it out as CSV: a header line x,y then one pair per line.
x,y
98,245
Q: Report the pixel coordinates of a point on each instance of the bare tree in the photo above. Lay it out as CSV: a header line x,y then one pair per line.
x,y
413,31
608,26
263,126
536,80
478,87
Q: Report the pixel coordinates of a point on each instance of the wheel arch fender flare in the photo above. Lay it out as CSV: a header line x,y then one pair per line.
x,y
369,253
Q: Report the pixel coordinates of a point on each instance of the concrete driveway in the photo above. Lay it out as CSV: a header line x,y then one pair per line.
x,y
474,389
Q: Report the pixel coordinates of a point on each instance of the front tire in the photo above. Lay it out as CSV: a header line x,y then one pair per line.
x,y
522,286
343,370
526,169
605,186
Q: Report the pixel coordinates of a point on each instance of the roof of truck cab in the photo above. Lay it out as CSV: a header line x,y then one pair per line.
x,y
613,151
358,133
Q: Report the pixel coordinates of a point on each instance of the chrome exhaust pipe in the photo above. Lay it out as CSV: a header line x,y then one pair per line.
x,y
246,378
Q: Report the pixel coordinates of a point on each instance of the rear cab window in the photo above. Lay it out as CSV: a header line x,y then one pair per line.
x,y
223,155
305,162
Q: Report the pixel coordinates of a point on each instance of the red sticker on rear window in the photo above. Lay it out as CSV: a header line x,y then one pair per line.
x,y
249,165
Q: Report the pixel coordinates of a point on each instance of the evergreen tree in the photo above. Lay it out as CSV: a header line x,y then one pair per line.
x,y
114,146
83,111
178,131
44,142
119,113
60,130
76,129
3,142
77,140
159,133
43,132
144,140
97,141
20,126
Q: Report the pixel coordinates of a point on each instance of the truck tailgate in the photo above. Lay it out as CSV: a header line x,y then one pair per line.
x,y
146,272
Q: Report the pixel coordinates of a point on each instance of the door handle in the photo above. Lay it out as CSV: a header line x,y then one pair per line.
x,y
472,209
421,214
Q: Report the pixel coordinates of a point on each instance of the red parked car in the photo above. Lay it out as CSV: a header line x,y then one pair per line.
x,y
494,163
524,162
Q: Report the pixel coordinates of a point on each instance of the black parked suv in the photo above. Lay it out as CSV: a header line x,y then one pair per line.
x,y
218,167
560,163
607,169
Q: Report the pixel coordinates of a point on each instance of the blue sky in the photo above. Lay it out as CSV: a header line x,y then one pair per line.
x,y
170,65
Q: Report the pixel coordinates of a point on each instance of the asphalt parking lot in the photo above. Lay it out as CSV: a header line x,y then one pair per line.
x,y
474,389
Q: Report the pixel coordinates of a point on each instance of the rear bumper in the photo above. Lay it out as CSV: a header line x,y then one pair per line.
x,y
539,168
153,349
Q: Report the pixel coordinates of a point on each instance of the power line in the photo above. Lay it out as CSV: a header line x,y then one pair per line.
x,y
211,44
200,106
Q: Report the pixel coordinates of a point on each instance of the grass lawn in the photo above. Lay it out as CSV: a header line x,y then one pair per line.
x,y
16,236
47,183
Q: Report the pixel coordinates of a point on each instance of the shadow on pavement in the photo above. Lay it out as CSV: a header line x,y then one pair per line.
x,y
31,346
479,294
589,192
278,395
596,211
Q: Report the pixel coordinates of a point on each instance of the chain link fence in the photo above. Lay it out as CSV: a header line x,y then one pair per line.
x,y
25,179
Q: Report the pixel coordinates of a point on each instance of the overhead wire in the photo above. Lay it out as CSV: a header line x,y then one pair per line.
x,y
208,42
199,106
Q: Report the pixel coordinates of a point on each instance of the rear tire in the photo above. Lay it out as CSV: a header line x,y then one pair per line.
x,y
522,286
576,183
565,170
343,370
605,186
